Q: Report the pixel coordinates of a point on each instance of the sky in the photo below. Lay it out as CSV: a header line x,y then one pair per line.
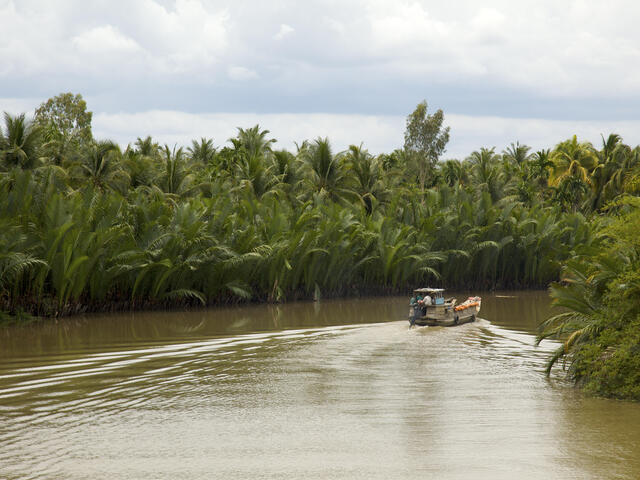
x,y
536,72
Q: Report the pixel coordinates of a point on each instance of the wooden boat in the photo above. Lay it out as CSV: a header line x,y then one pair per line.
x,y
436,311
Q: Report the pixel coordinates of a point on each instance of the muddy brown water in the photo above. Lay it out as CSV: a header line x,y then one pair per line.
x,y
330,390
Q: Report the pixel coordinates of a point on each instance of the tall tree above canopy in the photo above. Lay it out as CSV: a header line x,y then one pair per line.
x,y
66,124
425,139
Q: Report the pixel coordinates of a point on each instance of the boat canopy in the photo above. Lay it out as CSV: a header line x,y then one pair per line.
x,y
428,290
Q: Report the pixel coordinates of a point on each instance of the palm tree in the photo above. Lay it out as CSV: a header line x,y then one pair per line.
x,y
146,146
581,296
400,258
487,174
615,159
202,152
286,168
254,173
631,182
571,158
57,148
253,141
20,142
539,165
175,178
452,172
102,168
325,172
142,169
516,154
17,262
571,171
367,176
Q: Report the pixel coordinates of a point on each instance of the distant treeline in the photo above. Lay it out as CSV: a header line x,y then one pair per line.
x,y
86,225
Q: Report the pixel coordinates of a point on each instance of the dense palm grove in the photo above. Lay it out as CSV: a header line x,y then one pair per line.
x,y
86,225
600,295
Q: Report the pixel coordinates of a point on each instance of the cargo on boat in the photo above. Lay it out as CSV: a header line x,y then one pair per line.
x,y
429,307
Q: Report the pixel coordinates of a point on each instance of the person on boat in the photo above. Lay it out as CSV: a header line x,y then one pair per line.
x,y
415,310
423,303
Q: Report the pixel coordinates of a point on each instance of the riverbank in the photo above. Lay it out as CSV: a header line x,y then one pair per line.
x,y
48,309
600,297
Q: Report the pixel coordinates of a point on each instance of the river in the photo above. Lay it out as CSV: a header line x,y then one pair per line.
x,y
339,389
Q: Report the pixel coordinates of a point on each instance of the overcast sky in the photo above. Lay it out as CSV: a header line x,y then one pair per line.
x,y
534,71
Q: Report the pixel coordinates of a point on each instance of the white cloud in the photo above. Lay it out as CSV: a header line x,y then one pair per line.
x,y
236,72
573,49
24,48
489,26
350,56
104,39
532,45
187,38
49,37
334,25
16,106
406,25
284,31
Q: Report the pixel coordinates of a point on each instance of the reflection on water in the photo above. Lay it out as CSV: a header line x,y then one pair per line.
x,y
341,389
107,331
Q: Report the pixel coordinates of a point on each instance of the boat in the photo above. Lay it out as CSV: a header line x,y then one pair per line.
x,y
436,311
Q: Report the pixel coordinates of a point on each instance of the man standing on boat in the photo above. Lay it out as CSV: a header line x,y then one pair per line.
x,y
425,302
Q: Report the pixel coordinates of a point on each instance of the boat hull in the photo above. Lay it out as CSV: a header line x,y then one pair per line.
x,y
443,316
